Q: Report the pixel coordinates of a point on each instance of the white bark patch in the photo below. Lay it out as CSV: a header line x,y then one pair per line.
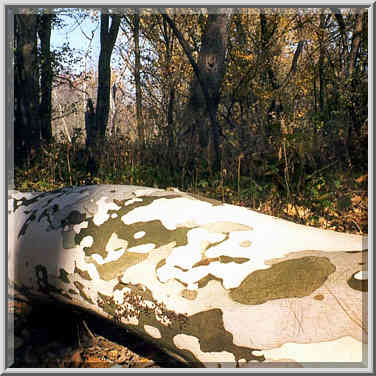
x,y
139,235
77,228
132,201
152,331
130,320
191,343
119,296
143,248
111,256
101,215
345,349
115,243
171,212
245,243
362,275
87,241
115,248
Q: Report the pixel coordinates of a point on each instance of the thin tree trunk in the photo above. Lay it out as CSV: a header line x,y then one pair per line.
x,y
137,76
321,63
268,28
170,118
108,38
356,38
46,76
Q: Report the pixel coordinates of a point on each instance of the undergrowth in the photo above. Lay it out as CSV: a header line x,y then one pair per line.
x,y
329,197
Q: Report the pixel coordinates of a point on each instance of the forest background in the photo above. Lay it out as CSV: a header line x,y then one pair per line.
x,y
261,107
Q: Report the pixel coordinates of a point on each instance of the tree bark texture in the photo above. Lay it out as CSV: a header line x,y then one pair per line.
x,y
355,41
200,116
44,32
137,77
268,27
321,64
26,87
107,38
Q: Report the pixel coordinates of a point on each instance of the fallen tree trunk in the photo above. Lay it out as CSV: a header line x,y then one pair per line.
x,y
211,284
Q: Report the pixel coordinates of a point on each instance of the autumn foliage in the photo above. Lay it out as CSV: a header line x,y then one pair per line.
x,y
291,117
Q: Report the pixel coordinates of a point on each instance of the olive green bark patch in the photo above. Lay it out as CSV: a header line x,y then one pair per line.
x,y
358,284
238,260
25,202
83,295
74,218
288,279
205,280
68,238
209,328
319,297
44,285
30,219
160,264
63,275
48,211
155,232
222,259
82,273
113,269
107,304
189,294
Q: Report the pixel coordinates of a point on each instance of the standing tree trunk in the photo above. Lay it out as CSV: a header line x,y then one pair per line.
x,y
169,90
44,33
200,117
355,41
26,87
321,63
108,38
268,27
137,77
